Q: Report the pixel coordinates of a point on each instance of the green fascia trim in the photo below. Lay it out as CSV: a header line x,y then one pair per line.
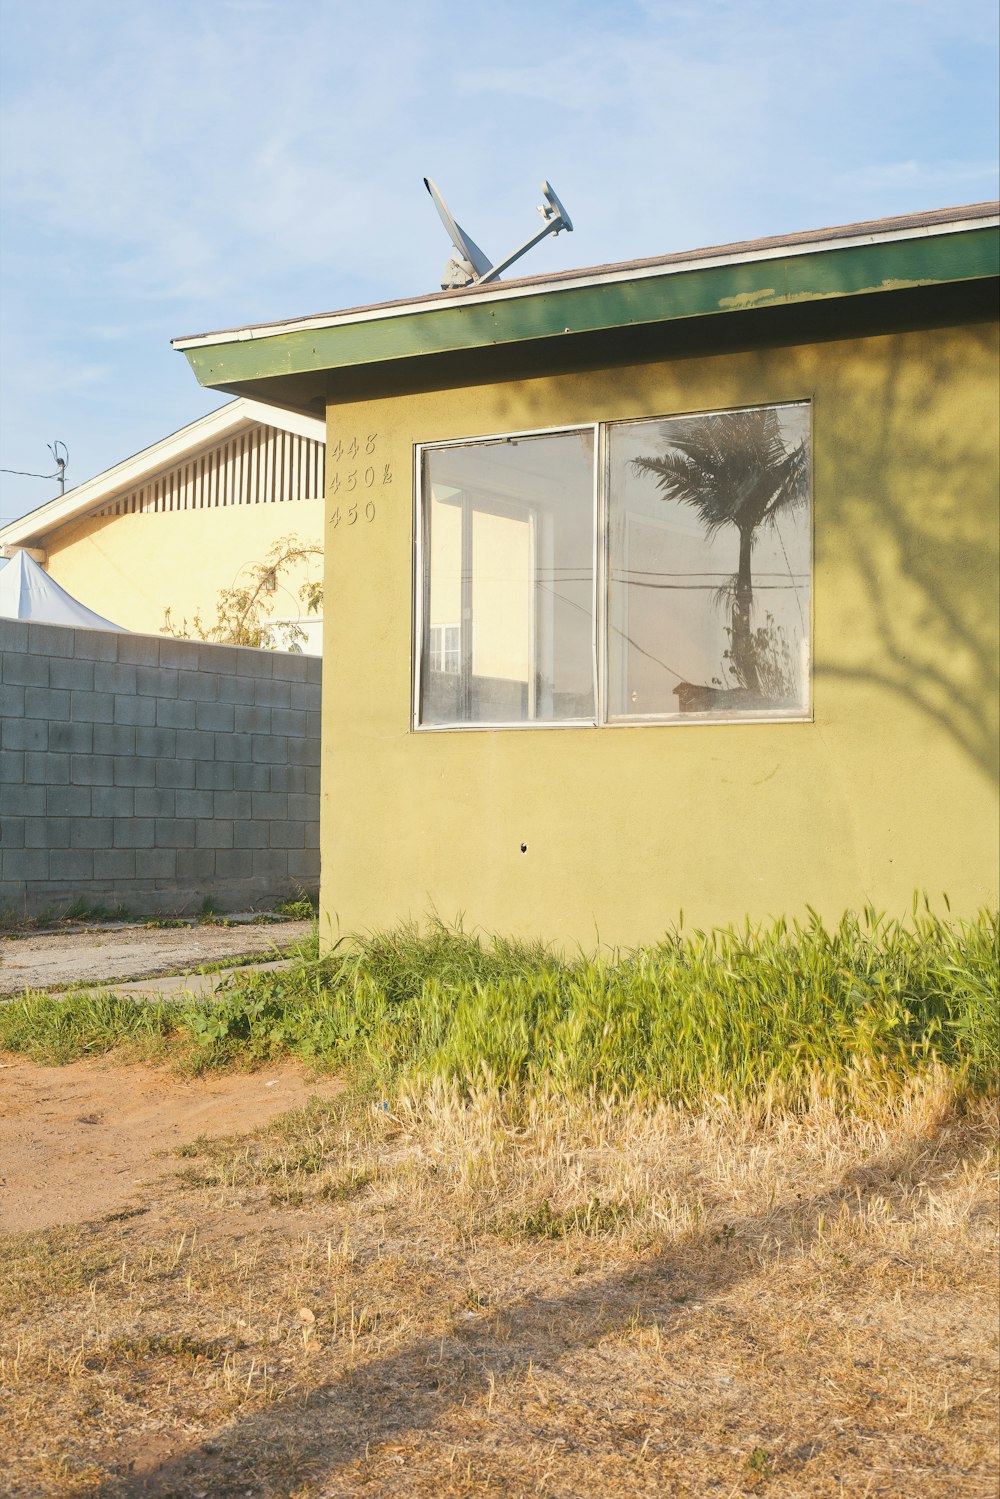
x,y
846,272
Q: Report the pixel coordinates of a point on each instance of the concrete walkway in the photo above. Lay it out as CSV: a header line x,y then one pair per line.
x,y
191,985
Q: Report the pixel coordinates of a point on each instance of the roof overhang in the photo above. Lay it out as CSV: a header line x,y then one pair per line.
x,y
153,460
294,359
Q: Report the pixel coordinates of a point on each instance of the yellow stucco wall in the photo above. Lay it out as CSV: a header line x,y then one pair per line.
x,y
130,568
892,788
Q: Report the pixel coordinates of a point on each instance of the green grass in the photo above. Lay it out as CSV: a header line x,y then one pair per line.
x,y
753,1015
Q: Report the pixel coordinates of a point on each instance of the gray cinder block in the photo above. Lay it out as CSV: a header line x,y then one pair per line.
x,y
18,800
115,676
214,775
269,805
91,832
217,716
155,801
92,770
159,863
173,712
114,739
156,681
46,769
303,751
114,864
12,834
249,834
198,804
11,767
287,835
22,670
174,832
269,749
13,635
198,686
233,747
158,742
291,666
135,770
195,863
303,808
139,650
239,690
135,710
67,801
93,707
194,744
96,645
71,738
71,673
274,693
46,702
49,832
24,734
254,720
234,805
113,801
71,864
303,865
11,701
178,774
27,864
248,777
290,721
270,862
134,832
257,664
214,833
50,640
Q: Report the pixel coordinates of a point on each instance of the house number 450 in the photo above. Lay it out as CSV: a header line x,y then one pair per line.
x,y
350,486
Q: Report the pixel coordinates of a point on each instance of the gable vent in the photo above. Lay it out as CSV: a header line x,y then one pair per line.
x,y
260,466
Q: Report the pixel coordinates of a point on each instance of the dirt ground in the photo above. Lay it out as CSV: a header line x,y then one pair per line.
x,y
104,955
81,1141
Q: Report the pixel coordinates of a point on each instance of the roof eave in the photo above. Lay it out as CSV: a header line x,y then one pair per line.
x,y
616,298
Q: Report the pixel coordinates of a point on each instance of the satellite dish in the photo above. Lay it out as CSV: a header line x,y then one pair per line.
x,y
471,262
469,266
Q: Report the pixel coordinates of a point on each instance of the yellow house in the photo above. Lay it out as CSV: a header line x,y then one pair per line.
x,y
665,586
173,526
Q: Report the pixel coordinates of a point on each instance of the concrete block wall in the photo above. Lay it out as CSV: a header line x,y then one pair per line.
x,y
153,773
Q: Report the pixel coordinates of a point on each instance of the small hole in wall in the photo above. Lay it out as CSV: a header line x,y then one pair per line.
x,y
524,848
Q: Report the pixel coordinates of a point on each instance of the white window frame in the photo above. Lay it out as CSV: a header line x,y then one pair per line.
x,y
600,614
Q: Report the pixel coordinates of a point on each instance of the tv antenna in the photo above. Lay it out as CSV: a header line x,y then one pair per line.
x,y
469,266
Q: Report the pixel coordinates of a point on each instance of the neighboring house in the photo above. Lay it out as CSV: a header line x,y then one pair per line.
x,y
665,586
185,518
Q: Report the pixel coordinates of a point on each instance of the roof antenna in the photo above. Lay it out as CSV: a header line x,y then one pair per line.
x,y
61,460
469,266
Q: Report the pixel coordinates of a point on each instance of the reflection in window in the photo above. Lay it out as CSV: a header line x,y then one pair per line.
x,y
709,565
508,548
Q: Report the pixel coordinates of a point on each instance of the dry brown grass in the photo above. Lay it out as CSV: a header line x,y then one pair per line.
x,y
449,1299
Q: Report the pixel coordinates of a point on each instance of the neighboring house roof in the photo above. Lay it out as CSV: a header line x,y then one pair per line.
x,y
140,474
884,255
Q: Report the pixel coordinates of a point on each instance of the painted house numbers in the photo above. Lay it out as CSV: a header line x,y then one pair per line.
x,y
358,477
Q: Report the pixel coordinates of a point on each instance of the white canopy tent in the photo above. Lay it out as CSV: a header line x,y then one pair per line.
x,y
27,592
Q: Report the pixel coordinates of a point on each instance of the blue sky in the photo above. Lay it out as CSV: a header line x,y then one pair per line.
x,y
172,166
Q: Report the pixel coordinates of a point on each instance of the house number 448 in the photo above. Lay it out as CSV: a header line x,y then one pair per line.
x,y
354,487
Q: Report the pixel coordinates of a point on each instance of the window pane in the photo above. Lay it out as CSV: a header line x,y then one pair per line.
x,y
508,581
709,565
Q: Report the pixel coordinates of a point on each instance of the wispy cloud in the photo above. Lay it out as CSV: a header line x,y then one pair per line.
x,y
168,168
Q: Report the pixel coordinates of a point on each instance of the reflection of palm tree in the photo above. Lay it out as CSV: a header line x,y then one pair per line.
x,y
734,468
